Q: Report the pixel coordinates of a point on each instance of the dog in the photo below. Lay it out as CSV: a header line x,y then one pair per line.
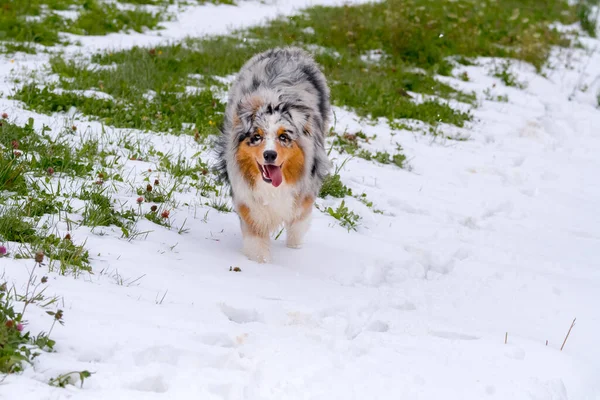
x,y
271,150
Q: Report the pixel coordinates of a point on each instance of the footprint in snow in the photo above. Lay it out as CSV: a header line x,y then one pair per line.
x,y
378,326
405,306
427,265
217,339
154,384
239,315
157,354
452,335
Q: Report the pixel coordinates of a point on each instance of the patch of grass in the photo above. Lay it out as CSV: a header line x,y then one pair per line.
x,y
43,204
69,256
102,18
17,344
12,173
220,204
40,155
416,39
163,2
95,18
16,225
99,211
11,48
351,144
15,347
507,77
16,27
501,98
363,199
377,94
41,151
166,111
182,167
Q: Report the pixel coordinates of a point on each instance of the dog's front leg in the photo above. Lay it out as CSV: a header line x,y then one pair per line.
x,y
297,228
256,241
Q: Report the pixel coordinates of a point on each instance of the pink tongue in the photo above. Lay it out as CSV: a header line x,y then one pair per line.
x,y
274,173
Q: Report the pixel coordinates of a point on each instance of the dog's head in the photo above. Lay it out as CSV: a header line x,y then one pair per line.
x,y
270,136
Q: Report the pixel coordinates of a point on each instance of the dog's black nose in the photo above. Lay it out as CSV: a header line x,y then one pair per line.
x,y
270,156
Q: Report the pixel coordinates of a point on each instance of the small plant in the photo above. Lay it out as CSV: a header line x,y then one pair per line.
x,y
220,204
350,144
17,346
502,98
363,199
14,349
506,76
348,219
159,217
333,186
99,211
69,378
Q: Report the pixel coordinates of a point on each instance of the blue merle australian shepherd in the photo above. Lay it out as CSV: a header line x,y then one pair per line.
x,y
271,150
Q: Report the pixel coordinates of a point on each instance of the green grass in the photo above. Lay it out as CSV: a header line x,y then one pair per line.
x,y
503,72
99,211
166,111
95,18
11,48
189,2
15,345
32,152
149,88
18,225
415,38
587,20
351,144
18,346
40,151
12,172
101,18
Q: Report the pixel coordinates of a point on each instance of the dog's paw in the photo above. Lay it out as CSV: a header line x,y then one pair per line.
x,y
257,250
260,258
294,244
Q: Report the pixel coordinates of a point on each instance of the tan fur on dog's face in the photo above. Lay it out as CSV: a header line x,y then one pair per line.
x,y
290,156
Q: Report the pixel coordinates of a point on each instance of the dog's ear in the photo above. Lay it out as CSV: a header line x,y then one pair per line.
x,y
307,128
248,107
301,117
245,114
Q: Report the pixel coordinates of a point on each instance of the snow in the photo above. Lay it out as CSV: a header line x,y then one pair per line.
x,y
496,235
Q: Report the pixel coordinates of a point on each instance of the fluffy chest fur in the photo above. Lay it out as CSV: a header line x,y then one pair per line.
x,y
267,206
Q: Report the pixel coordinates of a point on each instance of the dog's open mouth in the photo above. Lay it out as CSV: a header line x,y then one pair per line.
x,y
271,174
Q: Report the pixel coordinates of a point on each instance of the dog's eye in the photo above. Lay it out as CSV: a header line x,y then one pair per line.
x,y
284,138
255,139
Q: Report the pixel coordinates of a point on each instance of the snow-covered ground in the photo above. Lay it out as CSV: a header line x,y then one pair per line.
x,y
494,235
